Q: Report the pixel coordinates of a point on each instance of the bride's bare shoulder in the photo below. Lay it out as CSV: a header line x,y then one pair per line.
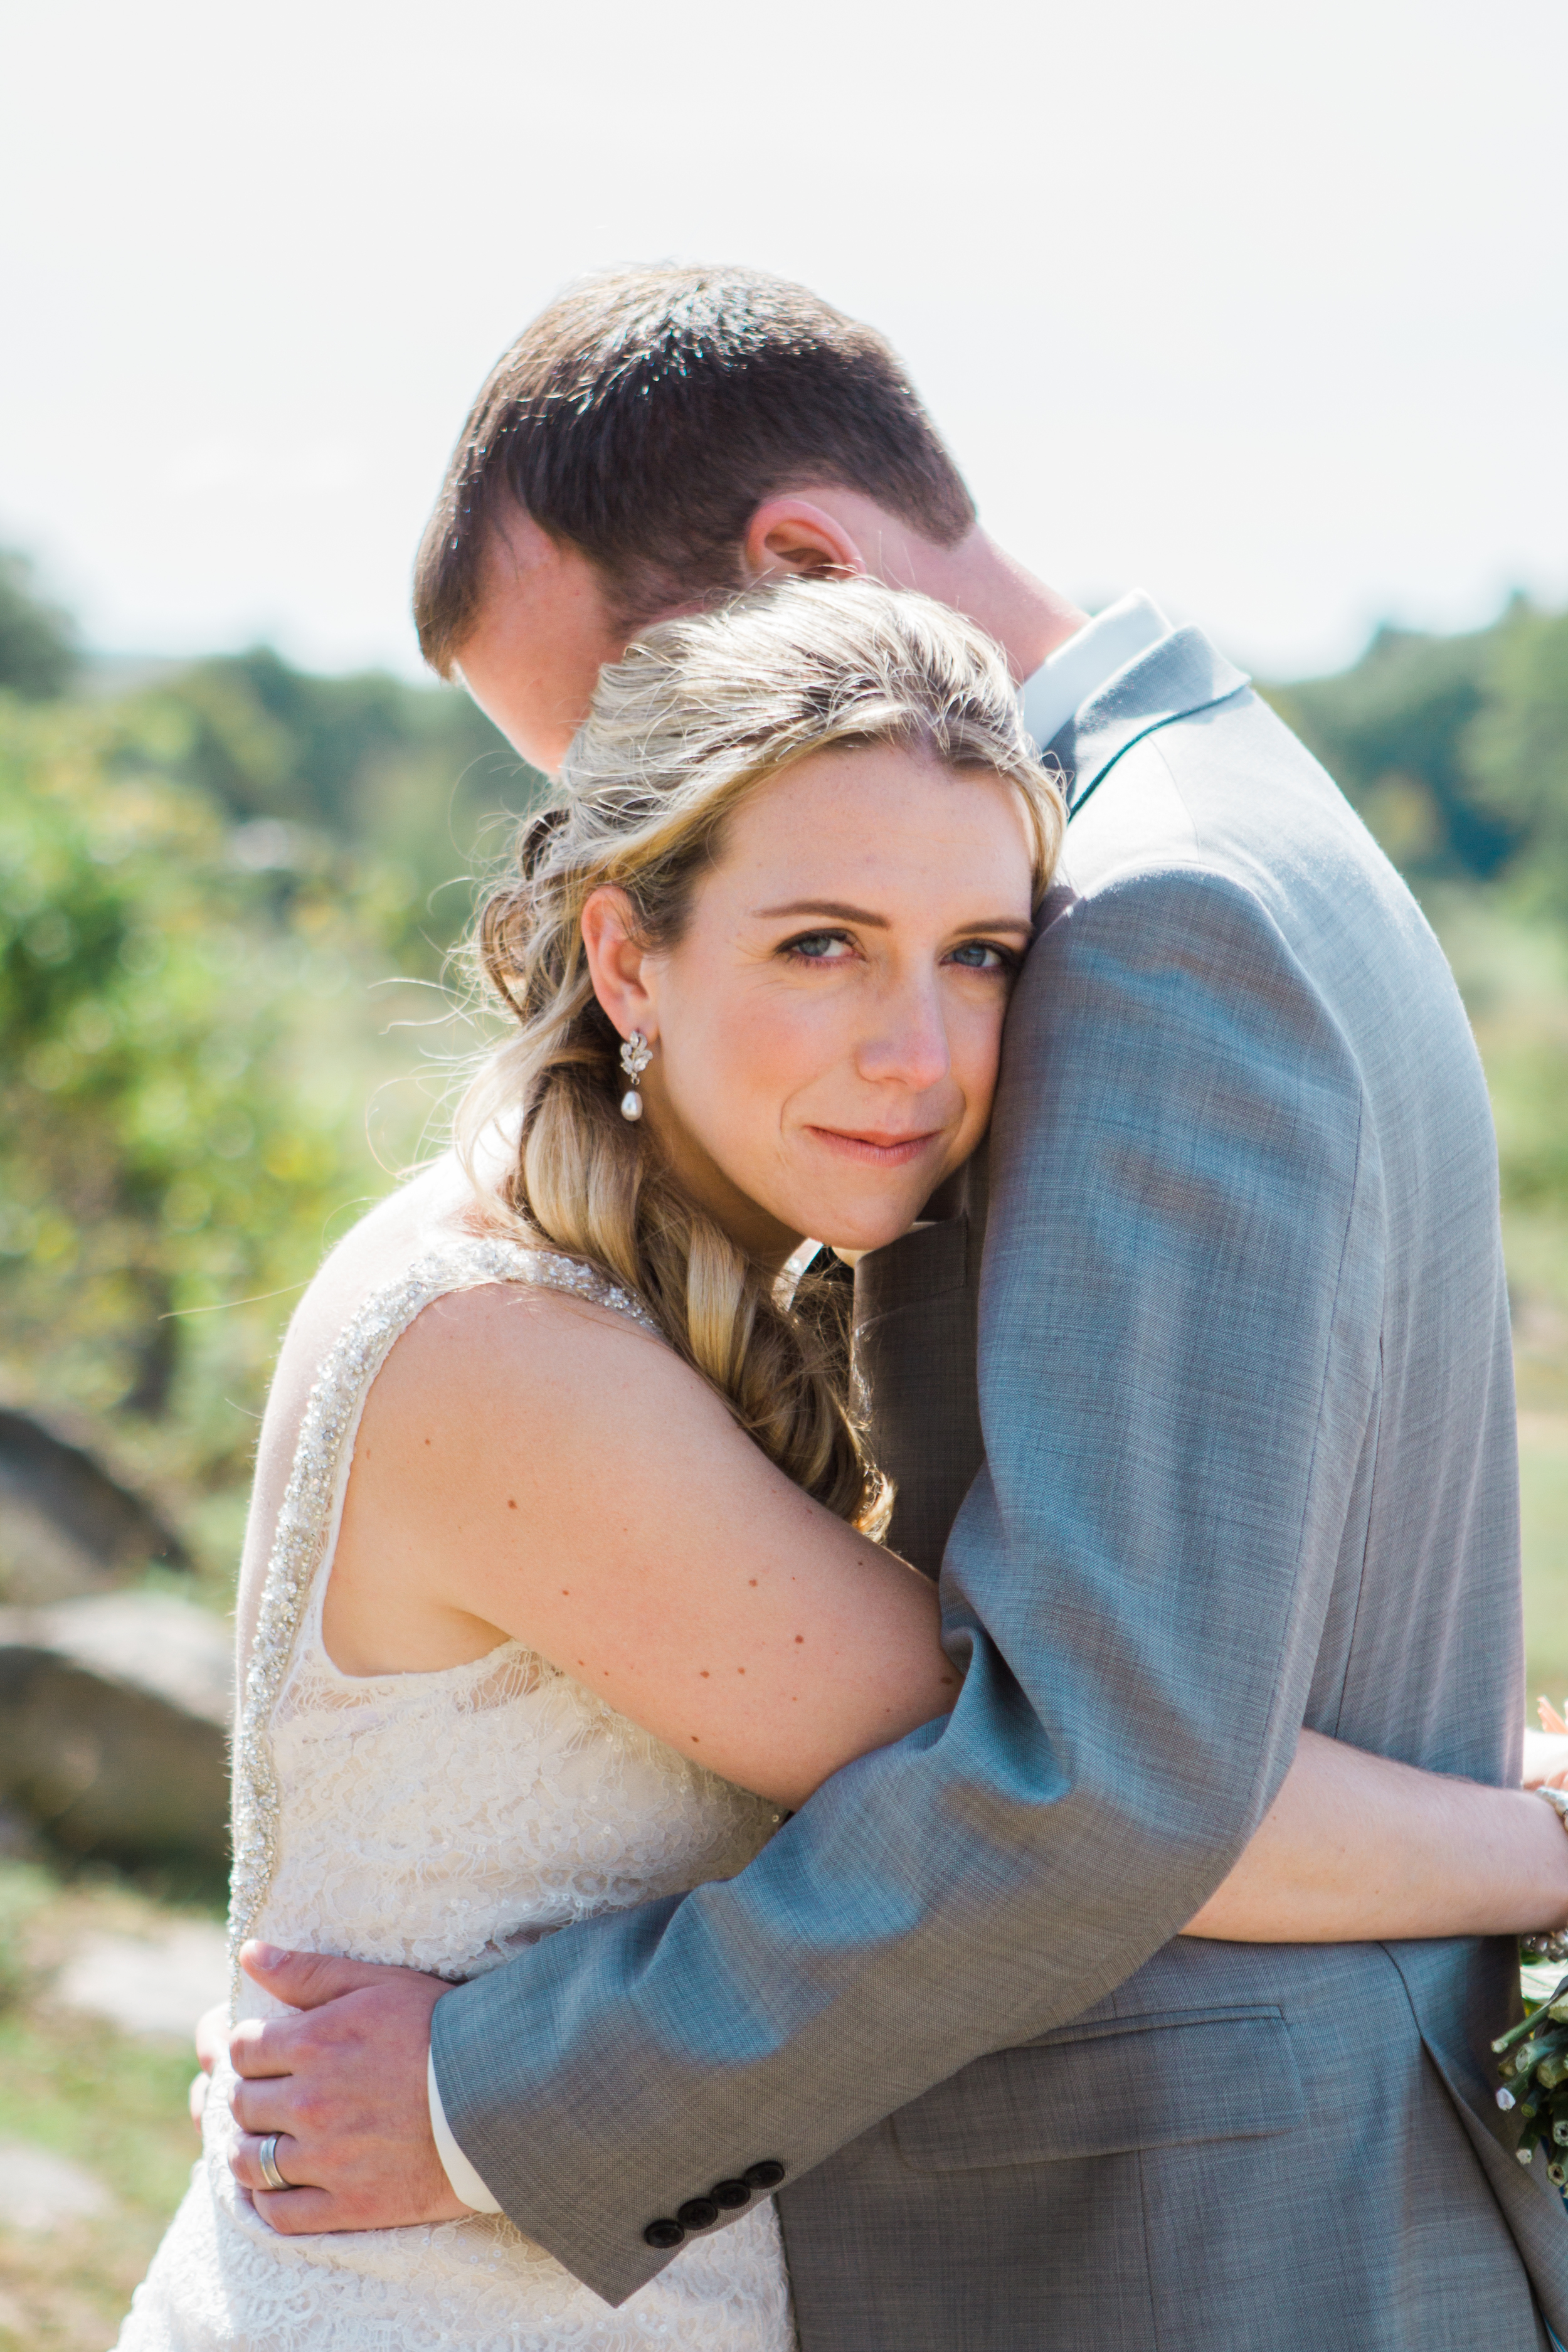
x,y
530,1353
429,1212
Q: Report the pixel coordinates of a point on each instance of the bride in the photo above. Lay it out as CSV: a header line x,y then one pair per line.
x,y
562,1581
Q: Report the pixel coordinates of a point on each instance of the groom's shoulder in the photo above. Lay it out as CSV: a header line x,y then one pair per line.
x,y
1227,790
1225,813
1219,892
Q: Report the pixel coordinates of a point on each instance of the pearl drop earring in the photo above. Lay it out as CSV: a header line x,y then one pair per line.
x,y
636,1055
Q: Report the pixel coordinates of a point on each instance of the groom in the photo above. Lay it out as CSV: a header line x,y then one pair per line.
x,y
1201,1403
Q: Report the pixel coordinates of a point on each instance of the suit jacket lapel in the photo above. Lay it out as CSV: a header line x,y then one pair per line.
x,y
1181,674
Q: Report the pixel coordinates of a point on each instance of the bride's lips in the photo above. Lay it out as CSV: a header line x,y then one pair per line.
x,y
873,1150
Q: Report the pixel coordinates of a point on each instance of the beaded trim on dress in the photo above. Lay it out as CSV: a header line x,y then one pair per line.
x,y
304,1520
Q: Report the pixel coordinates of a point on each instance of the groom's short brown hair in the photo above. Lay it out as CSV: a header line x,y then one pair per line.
x,y
644,416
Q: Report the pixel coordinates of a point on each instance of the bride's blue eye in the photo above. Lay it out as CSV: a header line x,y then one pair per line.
x,y
983,955
818,947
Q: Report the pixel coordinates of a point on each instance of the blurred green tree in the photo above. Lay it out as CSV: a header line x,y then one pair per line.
x,y
37,643
205,889
160,1145
312,764
192,1042
1455,749
1516,749
1392,731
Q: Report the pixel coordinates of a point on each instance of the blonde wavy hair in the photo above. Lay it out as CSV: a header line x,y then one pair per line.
x,y
697,716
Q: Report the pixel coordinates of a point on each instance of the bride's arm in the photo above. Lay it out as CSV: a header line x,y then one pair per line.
x,y
1356,1847
530,1465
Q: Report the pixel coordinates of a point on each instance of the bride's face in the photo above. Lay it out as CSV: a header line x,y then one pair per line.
x,y
825,1031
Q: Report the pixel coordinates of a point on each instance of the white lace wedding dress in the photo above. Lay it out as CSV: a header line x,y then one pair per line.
x,y
438,1820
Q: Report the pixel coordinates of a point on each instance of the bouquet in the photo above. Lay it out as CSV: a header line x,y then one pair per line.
x,y
1533,2063
1533,2057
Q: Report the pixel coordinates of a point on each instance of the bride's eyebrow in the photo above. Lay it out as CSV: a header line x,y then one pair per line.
x,y
838,912
830,907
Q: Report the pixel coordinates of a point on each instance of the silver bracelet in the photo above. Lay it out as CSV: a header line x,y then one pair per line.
x,y
1551,1944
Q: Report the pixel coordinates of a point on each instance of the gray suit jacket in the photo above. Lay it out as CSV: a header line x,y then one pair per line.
x,y
1242,1460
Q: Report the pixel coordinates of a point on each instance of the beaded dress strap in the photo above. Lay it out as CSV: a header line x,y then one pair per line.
x,y
300,1541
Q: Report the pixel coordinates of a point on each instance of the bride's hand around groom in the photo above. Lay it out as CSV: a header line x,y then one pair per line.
x,y
342,2086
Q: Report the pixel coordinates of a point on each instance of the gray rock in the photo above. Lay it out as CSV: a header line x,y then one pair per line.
x,y
113,1719
66,1525
156,1988
40,2190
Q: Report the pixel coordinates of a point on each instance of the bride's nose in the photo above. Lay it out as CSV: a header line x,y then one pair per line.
x,y
906,1042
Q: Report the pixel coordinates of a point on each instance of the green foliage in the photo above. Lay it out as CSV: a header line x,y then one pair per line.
x,y
193,1010
206,891
1391,731
417,773
37,644
161,1147
1455,749
1516,750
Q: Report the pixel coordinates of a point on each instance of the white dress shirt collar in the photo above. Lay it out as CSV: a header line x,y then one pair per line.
x,y
1088,660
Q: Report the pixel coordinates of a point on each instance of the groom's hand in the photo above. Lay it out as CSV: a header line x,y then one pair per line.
x,y
343,2086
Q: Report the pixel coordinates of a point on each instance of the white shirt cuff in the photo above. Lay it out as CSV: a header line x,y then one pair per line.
x,y
466,2182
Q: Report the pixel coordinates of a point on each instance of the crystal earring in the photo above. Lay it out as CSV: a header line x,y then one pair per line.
x,y
636,1055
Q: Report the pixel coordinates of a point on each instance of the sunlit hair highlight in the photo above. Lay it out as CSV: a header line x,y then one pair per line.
x,y
698,714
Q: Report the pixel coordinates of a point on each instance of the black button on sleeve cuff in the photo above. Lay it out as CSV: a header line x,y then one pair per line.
x,y
724,2197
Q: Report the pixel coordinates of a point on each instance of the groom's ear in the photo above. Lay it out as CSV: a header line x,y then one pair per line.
x,y
790,536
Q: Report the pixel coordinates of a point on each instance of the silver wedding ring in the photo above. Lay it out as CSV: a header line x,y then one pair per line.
x,y
267,2157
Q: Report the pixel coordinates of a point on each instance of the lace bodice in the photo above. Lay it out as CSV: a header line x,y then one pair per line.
x,y
438,1821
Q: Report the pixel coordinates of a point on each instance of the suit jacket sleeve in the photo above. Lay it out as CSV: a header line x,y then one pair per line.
x,y
1179,1324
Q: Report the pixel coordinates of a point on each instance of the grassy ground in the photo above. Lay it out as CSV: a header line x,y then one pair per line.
x,y
75,2086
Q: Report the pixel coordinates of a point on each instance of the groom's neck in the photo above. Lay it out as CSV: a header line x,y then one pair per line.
x,y
819,527
1028,619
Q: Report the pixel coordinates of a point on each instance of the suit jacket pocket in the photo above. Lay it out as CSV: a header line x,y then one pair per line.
x,y
1101,2089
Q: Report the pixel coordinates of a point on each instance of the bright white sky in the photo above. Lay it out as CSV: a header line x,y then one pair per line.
x,y
1260,307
